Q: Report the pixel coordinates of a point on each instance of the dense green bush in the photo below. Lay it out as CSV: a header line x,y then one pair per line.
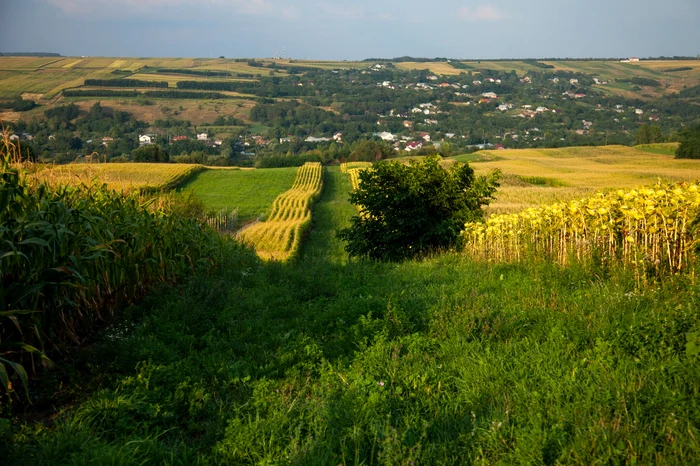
x,y
407,210
690,144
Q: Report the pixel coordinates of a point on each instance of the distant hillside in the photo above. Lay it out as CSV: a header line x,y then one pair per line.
x,y
30,54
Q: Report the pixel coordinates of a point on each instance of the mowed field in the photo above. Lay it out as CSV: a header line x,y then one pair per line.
x,y
533,177
249,191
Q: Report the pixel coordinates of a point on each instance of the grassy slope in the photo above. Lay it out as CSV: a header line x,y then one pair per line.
x,y
251,191
440,361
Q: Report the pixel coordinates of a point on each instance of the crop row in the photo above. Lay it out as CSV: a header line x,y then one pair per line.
x,y
647,228
344,167
279,237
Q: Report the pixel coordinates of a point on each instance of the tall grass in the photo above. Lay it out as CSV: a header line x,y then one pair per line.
x,y
71,255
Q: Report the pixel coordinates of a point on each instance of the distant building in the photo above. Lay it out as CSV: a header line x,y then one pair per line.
x,y
386,136
145,139
202,137
415,145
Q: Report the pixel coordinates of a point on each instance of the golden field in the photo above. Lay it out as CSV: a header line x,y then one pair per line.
x,y
535,177
124,177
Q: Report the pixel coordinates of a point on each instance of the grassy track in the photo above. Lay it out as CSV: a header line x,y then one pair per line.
x,y
333,211
251,191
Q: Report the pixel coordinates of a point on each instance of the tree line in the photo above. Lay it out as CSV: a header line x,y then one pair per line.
x,y
124,83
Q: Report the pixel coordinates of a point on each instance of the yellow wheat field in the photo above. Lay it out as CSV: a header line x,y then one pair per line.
x,y
645,228
574,172
123,177
279,237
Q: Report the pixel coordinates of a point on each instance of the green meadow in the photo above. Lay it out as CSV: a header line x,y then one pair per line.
x,y
249,191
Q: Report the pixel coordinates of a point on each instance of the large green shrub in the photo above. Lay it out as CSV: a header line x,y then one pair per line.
x,y
407,210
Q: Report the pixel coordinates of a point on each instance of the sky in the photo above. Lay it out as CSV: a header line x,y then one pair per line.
x,y
354,29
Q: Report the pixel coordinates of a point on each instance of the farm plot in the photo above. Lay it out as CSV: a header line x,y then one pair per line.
x,y
250,192
124,177
279,237
534,177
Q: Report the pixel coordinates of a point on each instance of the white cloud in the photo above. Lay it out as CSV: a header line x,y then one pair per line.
x,y
485,12
292,13
341,12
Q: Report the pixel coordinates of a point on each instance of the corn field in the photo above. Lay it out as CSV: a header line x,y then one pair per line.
x,y
125,177
70,256
223,221
647,229
279,237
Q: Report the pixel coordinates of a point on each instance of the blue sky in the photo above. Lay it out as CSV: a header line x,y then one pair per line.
x,y
329,29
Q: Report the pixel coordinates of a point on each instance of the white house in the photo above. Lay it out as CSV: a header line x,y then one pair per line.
x,y
490,95
386,136
145,139
573,81
202,137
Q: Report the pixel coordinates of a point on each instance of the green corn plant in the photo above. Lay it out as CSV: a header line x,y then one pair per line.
x,y
72,255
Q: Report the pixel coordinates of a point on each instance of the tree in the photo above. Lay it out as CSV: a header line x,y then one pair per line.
x,y
648,135
407,210
370,151
690,144
149,153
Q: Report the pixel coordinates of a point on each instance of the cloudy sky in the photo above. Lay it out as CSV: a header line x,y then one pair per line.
x,y
354,29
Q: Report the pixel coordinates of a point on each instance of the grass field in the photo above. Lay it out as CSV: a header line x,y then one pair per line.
x,y
335,361
249,191
120,176
542,176
666,148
